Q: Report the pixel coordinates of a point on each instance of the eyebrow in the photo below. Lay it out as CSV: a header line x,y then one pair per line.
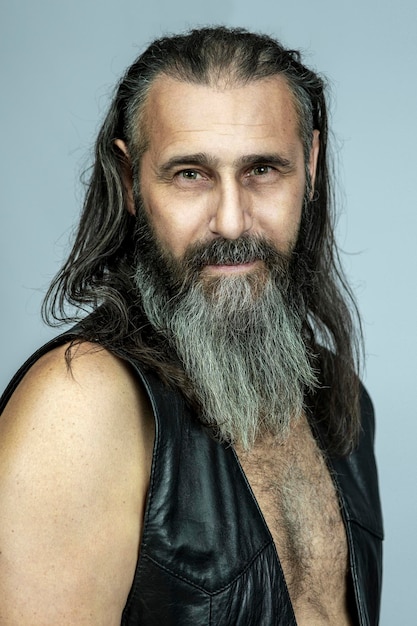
x,y
198,159
207,160
271,159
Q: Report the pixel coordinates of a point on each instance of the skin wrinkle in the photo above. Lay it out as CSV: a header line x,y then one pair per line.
x,y
207,160
238,211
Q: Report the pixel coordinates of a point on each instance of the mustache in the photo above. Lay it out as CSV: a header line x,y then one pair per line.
x,y
245,249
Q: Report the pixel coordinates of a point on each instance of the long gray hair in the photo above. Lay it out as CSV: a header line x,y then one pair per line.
x,y
98,273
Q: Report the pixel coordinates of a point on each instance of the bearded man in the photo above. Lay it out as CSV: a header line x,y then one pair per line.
x,y
198,448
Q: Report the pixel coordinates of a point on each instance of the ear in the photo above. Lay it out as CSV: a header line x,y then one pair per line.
x,y
314,153
126,174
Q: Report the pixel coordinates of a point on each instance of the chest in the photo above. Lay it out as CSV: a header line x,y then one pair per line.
x,y
296,494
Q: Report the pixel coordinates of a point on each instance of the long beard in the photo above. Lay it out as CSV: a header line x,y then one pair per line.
x,y
238,337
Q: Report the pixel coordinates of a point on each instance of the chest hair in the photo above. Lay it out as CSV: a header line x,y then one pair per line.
x,y
295,492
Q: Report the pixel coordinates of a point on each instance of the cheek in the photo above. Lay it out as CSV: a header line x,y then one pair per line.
x,y
175,228
281,223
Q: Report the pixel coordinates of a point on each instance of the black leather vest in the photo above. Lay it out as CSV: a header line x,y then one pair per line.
x,y
206,555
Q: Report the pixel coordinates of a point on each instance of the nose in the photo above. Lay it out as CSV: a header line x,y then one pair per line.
x,y
232,215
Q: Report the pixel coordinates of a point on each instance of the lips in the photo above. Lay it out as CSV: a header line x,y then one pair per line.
x,y
231,268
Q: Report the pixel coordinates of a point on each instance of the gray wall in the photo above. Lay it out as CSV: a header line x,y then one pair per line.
x,y
59,61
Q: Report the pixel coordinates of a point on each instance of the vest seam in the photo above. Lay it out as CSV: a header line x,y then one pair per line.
x,y
354,573
347,521
155,456
196,586
377,533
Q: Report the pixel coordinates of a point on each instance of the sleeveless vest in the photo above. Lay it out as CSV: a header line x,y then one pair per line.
x,y
206,554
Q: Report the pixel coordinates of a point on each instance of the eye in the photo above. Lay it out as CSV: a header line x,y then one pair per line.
x,y
261,170
191,179
189,174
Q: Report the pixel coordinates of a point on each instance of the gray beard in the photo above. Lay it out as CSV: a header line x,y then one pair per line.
x,y
238,337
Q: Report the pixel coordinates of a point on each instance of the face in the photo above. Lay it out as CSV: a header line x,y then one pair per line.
x,y
222,164
222,185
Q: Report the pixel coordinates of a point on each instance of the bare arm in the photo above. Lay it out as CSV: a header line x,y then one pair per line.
x,y
75,453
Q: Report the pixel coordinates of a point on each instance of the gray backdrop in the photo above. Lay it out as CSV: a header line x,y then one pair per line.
x,y
59,61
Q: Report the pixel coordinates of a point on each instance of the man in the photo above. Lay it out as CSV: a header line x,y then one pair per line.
x,y
198,449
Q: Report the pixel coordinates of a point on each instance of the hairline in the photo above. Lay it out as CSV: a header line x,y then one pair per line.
x,y
138,123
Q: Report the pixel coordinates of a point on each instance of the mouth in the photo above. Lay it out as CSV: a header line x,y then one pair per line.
x,y
232,268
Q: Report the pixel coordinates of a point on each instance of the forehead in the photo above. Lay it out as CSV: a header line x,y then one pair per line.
x,y
182,116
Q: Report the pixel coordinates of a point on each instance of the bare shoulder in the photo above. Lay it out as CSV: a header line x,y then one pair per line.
x,y
89,365
74,470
